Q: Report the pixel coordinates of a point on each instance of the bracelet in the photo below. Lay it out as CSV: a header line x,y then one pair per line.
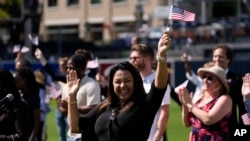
x,y
72,102
161,59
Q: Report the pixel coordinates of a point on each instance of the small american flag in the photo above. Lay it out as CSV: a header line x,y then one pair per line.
x,y
245,119
177,13
33,40
16,48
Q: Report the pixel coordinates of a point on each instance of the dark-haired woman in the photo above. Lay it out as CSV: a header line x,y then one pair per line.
x,y
127,113
14,119
28,87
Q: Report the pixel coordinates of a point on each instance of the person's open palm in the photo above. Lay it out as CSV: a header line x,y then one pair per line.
x,y
73,83
184,96
245,89
38,53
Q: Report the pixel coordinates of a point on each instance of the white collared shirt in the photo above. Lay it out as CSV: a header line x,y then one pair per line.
x,y
147,82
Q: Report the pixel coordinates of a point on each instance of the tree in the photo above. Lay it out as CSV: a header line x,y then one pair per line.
x,y
10,9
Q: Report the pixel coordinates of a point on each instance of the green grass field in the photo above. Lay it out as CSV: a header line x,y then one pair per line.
x,y
176,131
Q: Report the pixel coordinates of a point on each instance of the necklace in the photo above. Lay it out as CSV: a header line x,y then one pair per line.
x,y
114,113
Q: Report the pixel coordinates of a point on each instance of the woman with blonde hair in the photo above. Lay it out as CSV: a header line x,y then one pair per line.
x,y
209,116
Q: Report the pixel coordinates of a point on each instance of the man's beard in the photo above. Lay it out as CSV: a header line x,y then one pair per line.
x,y
141,66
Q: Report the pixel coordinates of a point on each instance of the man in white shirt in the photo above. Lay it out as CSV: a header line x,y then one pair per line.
x,y
142,57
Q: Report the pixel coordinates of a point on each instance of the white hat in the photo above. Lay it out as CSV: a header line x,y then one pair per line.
x,y
217,72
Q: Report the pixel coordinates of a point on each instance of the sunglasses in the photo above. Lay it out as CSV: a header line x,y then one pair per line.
x,y
204,76
134,58
70,68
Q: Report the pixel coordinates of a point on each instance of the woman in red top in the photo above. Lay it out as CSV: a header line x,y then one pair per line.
x,y
209,116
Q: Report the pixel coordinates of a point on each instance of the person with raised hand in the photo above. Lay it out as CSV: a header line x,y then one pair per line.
x,y
245,90
223,56
128,112
142,57
209,116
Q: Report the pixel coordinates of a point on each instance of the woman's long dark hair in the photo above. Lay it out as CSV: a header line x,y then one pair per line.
x,y
8,84
28,74
112,100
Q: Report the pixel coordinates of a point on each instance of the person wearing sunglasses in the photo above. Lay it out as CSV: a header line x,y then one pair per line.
x,y
193,77
142,57
209,116
223,57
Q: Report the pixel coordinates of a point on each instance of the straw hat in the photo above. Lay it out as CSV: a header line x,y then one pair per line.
x,y
217,72
39,76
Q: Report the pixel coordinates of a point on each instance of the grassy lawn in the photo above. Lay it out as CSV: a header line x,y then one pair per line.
x,y
176,131
51,123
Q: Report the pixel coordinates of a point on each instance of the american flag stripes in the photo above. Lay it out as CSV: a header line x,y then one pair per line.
x,y
245,119
177,13
34,40
17,48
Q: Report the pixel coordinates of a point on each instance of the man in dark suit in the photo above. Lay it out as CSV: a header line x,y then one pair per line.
x,y
223,56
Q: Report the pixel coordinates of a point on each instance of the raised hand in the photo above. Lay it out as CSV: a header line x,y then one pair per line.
x,y
245,89
184,96
185,57
38,54
19,55
73,82
164,43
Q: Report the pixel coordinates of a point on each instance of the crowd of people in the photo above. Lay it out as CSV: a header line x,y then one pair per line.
x,y
130,103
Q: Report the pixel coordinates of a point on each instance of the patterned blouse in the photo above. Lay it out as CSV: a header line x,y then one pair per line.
x,y
215,132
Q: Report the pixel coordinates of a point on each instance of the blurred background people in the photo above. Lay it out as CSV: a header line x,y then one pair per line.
x,y
29,90
142,58
55,88
223,57
44,105
55,75
103,82
14,115
92,62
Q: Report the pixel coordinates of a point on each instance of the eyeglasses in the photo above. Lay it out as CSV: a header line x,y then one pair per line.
x,y
70,68
210,78
134,58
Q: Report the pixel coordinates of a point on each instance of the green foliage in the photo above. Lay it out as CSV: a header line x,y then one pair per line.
x,y
10,8
3,13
